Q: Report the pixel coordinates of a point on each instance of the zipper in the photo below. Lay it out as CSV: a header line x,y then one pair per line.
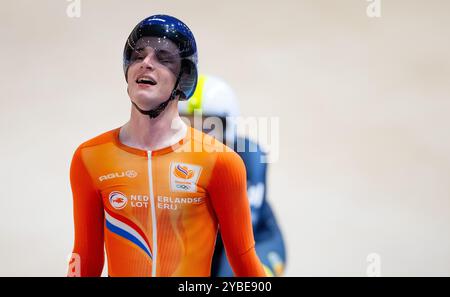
x,y
152,205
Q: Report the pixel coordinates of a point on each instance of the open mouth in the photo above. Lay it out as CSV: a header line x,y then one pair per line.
x,y
146,80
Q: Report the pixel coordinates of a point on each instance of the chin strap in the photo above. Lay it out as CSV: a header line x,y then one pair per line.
x,y
155,112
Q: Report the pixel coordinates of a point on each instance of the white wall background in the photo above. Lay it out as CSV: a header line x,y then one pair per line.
x,y
364,109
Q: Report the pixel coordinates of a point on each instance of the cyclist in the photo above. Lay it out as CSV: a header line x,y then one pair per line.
x,y
155,191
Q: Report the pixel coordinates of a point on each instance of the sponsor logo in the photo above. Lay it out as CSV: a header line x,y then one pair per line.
x,y
139,201
128,173
118,200
131,173
183,172
174,203
184,177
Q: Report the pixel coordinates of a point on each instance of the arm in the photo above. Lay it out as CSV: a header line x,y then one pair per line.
x,y
227,190
88,256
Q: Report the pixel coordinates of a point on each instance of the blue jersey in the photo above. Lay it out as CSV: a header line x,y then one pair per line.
x,y
268,238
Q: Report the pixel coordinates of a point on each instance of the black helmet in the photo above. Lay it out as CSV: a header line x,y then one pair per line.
x,y
169,27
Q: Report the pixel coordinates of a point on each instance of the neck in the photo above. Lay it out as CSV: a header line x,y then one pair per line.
x,y
149,134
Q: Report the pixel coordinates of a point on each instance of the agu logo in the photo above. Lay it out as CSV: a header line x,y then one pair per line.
x,y
128,173
131,173
184,177
118,200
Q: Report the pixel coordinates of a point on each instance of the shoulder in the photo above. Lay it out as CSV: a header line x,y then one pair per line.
x,y
91,144
229,164
100,139
223,157
207,145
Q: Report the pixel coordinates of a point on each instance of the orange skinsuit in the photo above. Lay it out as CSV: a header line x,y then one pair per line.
x,y
158,212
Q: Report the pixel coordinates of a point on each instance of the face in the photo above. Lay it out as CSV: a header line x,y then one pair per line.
x,y
154,67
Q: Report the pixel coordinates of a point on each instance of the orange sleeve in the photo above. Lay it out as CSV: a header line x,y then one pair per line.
x,y
228,193
88,255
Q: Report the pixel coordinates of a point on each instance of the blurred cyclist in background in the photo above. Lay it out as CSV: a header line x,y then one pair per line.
x,y
215,98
